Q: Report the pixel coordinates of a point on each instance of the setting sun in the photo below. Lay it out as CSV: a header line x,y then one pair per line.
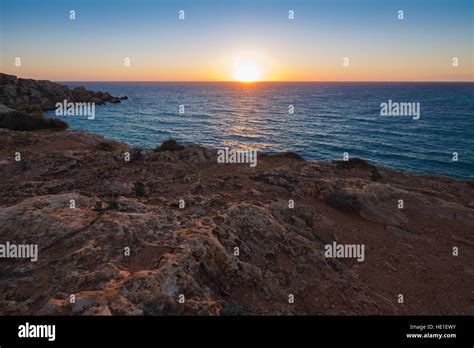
x,y
247,72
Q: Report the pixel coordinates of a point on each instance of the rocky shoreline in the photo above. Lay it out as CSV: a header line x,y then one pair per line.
x,y
17,92
172,231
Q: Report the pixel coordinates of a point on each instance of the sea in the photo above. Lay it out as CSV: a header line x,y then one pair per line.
x,y
318,120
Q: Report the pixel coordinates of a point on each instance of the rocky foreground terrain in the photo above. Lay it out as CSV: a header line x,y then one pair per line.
x,y
191,250
17,92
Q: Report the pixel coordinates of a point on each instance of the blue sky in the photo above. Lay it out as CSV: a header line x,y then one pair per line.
x,y
214,34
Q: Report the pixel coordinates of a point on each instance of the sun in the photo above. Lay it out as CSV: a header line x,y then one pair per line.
x,y
247,72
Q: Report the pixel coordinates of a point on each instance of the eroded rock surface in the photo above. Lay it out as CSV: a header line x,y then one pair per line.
x,y
192,250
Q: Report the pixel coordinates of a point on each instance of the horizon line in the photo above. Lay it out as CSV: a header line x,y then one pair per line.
x,y
275,81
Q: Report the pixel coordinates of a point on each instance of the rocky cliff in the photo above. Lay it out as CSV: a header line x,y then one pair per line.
x,y
171,231
17,92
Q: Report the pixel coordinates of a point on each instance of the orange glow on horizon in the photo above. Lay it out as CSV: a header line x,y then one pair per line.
x,y
238,67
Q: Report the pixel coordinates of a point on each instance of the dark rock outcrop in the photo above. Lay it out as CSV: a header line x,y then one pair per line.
x,y
170,145
18,92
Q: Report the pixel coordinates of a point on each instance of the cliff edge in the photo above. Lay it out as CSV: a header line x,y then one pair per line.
x,y
172,231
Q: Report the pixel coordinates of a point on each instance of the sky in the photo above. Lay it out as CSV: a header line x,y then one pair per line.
x,y
221,40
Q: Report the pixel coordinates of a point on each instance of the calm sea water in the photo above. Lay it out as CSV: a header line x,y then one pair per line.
x,y
329,119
